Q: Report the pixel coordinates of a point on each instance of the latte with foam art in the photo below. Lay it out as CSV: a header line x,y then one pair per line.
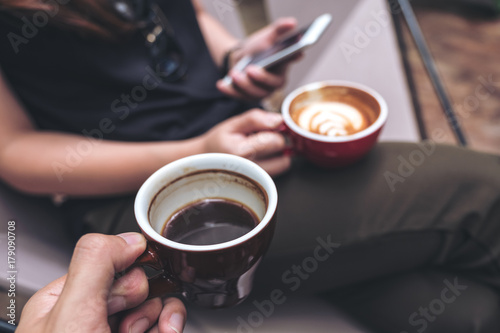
x,y
332,119
333,124
334,111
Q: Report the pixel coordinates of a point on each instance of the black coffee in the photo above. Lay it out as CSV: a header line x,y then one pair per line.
x,y
210,221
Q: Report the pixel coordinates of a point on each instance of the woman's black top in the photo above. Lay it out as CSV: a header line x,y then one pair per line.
x,y
97,88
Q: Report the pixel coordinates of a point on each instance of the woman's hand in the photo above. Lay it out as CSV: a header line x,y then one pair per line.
x,y
88,299
256,82
252,135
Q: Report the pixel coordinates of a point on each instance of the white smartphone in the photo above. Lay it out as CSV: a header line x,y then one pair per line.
x,y
287,47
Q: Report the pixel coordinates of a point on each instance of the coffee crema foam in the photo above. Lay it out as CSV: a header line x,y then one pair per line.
x,y
332,119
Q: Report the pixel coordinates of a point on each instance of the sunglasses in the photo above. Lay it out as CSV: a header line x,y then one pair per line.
x,y
166,55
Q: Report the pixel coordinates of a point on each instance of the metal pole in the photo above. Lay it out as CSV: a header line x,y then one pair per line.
x,y
426,56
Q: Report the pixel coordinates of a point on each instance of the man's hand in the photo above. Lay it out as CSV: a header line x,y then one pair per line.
x,y
256,82
89,299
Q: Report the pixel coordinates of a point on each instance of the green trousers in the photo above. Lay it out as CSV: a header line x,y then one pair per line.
x,y
406,240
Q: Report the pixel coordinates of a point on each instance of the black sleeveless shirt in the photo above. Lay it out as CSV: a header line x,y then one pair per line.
x,y
109,90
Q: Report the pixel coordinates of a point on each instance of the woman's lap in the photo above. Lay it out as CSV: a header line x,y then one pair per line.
x,y
391,216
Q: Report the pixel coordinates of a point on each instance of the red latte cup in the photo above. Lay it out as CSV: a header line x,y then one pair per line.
x,y
334,123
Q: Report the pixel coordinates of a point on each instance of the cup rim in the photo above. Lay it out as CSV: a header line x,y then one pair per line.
x,y
381,120
147,192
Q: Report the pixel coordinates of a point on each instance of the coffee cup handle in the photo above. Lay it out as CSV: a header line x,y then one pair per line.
x,y
161,284
285,131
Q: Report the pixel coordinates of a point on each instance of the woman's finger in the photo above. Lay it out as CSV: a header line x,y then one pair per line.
x,y
262,144
275,165
267,36
255,120
282,67
244,84
264,78
231,90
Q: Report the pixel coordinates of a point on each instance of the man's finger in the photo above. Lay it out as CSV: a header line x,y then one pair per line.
x,y
95,261
173,316
141,318
128,291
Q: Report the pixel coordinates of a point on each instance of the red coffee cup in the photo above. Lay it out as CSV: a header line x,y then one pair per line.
x,y
334,151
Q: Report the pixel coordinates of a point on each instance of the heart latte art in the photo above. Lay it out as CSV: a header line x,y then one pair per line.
x,y
332,119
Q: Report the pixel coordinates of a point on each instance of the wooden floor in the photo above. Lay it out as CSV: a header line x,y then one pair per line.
x,y
466,49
